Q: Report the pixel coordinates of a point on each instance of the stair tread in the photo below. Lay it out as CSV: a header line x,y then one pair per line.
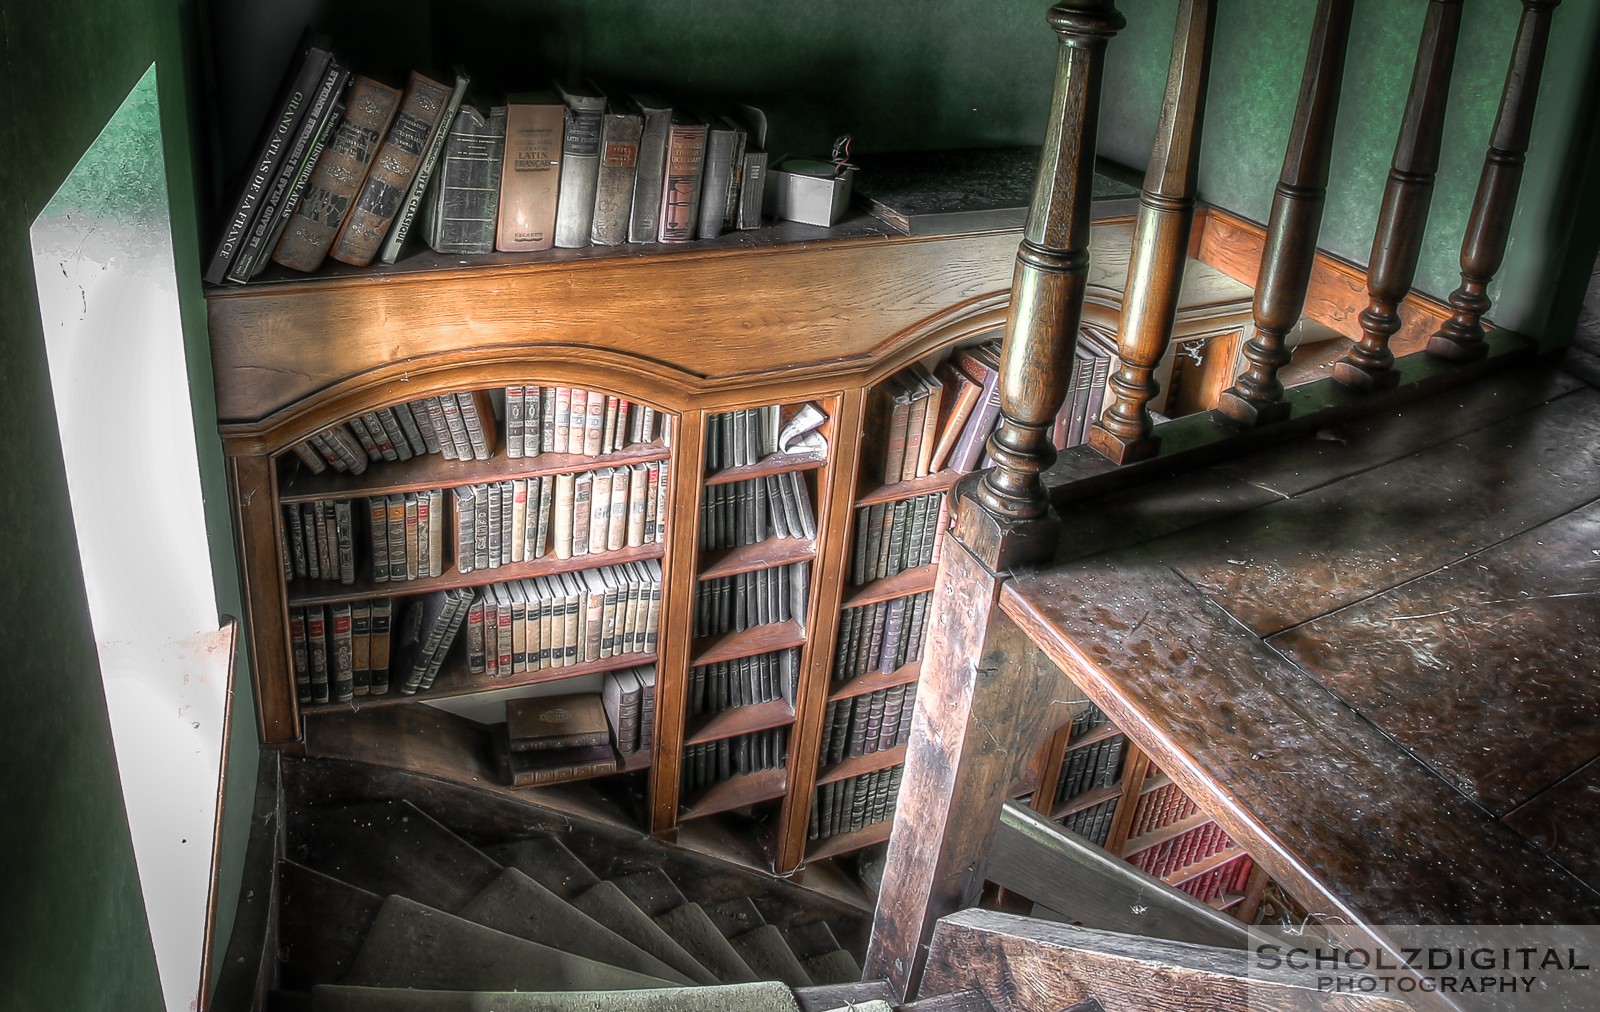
x,y
695,931
836,967
517,905
548,862
413,945
827,997
954,1001
288,1001
736,916
764,949
811,940
321,921
652,891
391,848
608,905
764,996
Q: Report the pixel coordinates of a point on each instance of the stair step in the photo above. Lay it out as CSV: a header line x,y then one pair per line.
x,y
766,996
391,848
764,949
417,946
517,905
955,1001
548,862
827,997
651,891
736,916
867,1006
288,1001
321,922
811,940
694,930
836,967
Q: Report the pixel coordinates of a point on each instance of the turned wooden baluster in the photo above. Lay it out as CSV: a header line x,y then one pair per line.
x,y
1160,242
1484,246
1052,261
1397,241
1291,245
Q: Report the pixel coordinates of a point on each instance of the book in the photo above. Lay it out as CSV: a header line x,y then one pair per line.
x,y
295,97
411,202
394,167
532,769
461,211
969,189
981,365
620,131
530,173
557,721
680,188
323,113
580,163
645,214
752,190
722,141
330,195
427,629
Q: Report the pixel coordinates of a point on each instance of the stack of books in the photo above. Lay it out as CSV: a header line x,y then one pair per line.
x,y
553,738
922,421
454,426
348,166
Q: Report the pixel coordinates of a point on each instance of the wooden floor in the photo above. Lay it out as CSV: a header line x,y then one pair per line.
x,y
1372,653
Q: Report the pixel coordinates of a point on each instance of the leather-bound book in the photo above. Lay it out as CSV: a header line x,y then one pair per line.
x,y
330,195
680,188
580,163
411,203
724,143
530,173
645,218
389,180
620,130
460,211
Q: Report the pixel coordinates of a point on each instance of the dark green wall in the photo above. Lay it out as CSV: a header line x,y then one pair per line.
x,y
1259,54
74,934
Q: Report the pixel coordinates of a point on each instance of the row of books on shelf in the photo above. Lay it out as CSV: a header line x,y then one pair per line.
x,y
891,537
1094,823
1159,807
341,651
751,511
713,762
1090,768
462,426
1232,879
868,723
845,806
318,540
549,739
922,421
882,636
743,601
1087,720
349,166
1182,851
750,435
565,619
745,681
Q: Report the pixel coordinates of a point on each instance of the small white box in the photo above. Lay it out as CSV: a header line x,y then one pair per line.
x,y
807,190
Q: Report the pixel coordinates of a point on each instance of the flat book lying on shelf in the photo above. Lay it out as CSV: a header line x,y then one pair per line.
x,y
533,769
548,723
970,189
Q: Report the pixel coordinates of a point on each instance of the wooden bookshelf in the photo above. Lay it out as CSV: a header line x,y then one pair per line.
x,y
857,765
873,681
739,791
939,481
762,555
1086,801
775,463
758,639
917,580
455,680
737,720
840,844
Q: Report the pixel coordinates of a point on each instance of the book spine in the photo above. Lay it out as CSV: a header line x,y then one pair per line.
x,y
438,134
680,190
529,177
465,206
644,219
716,178
580,166
619,160
392,171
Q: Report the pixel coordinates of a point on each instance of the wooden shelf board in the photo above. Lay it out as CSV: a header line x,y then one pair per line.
x,y
873,681
1156,837
760,639
775,463
916,580
1227,855
1086,800
1154,783
762,555
1225,901
845,843
1101,733
857,765
304,592
939,481
737,792
431,471
737,720
455,680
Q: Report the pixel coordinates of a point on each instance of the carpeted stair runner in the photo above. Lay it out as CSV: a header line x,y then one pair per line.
x,y
556,868
411,945
759,997
654,893
517,905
